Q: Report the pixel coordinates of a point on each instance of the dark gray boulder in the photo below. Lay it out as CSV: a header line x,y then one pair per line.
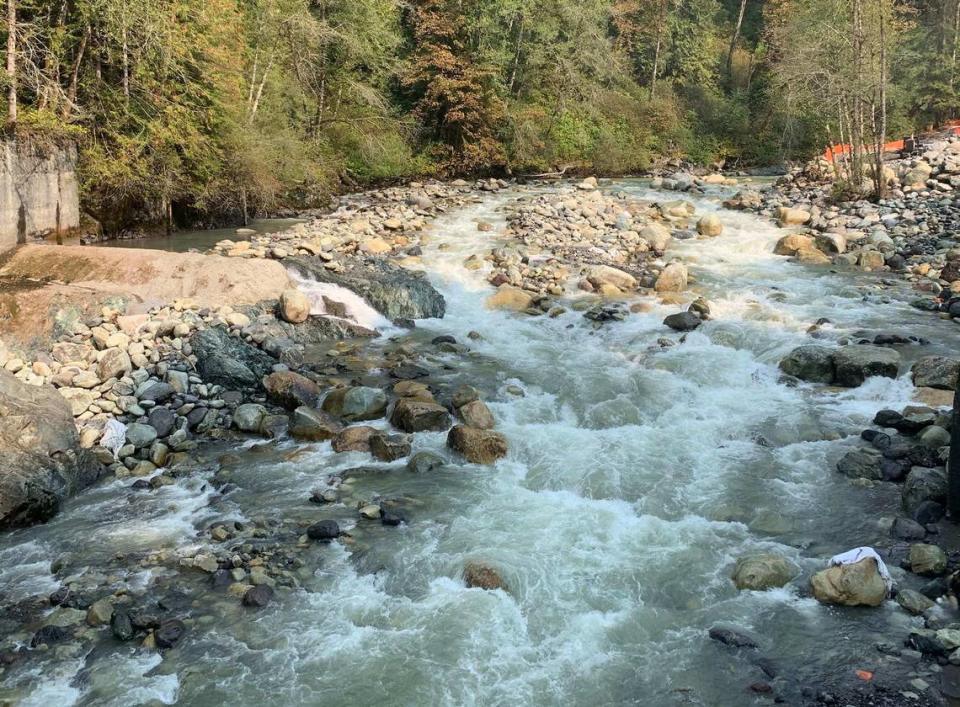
x,y
395,292
854,364
809,363
229,361
936,372
41,462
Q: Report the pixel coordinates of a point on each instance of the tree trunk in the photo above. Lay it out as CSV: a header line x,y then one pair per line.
x,y
12,61
736,36
856,122
75,74
881,130
661,21
956,42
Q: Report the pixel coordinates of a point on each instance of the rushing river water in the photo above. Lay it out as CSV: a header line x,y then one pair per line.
x,y
636,476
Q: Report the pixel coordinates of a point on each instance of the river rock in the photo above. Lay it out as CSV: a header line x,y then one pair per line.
x,y
764,571
928,560
314,425
673,278
477,446
907,529
140,435
710,226
114,363
258,597
913,602
861,464
794,244
100,612
477,414
510,298
162,420
936,372
389,448
354,439
395,292
121,626
291,390
731,637
683,321
324,531
412,415
787,216
854,364
294,306
478,575
811,363
249,417
923,484
169,633
657,236
600,275
228,361
156,392
424,462
42,460
356,404
858,584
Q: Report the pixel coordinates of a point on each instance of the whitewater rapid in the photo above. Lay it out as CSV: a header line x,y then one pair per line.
x,y
636,476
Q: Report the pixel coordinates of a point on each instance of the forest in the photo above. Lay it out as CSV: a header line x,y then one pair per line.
x,y
203,111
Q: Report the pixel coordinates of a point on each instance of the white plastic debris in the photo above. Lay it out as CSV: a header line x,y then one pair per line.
x,y
852,557
114,436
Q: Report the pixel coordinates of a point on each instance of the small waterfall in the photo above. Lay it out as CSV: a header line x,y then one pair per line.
x,y
356,309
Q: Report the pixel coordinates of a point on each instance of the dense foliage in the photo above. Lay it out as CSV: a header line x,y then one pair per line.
x,y
202,110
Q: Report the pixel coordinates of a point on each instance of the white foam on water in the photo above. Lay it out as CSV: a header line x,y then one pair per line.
x,y
357,309
636,477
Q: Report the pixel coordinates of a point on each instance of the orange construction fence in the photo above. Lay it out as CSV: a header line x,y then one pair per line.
x,y
834,151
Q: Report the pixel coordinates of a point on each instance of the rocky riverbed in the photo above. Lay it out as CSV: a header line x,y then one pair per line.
x,y
529,444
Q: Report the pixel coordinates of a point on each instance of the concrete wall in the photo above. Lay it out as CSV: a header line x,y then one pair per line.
x,y
39,193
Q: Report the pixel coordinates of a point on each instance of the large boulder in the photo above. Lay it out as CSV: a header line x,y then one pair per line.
x,y
477,414
763,571
412,415
314,425
395,292
923,485
744,200
42,461
600,275
477,446
858,584
657,236
510,298
936,372
683,321
787,216
794,244
809,363
291,390
229,361
854,364
356,404
673,278
294,306
114,363
928,560
710,226
862,464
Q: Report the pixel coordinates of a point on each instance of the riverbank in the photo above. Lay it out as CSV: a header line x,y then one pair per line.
x,y
633,466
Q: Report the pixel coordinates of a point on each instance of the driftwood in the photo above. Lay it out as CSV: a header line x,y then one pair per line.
x,y
548,175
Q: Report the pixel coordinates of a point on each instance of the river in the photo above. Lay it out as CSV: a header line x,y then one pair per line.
x,y
636,476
